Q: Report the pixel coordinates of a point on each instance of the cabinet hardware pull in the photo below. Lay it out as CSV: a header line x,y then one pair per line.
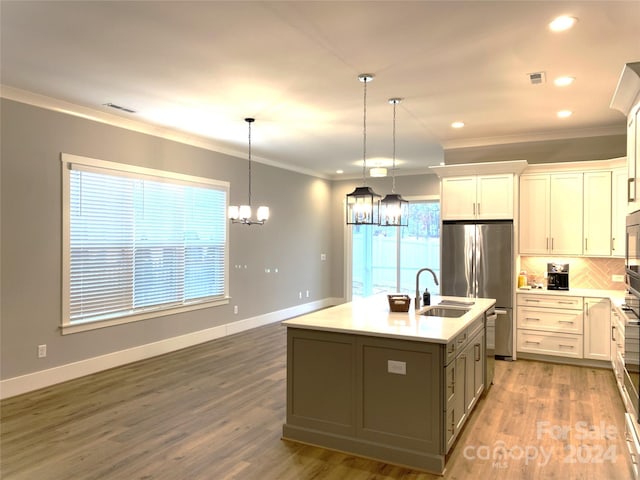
x,y
630,182
566,302
477,347
613,333
586,244
613,243
530,342
532,300
532,318
565,346
571,322
551,243
547,243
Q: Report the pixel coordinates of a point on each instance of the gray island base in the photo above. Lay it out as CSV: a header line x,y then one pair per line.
x,y
395,387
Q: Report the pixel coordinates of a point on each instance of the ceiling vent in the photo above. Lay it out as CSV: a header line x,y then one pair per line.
x,y
537,78
119,107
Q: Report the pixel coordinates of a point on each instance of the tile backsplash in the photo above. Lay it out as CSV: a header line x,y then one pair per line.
x,y
584,272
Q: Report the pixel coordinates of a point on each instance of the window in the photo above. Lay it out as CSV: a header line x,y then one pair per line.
x,y
386,259
139,242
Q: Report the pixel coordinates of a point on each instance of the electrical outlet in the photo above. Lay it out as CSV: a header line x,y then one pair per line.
x,y
617,278
235,309
299,294
399,368
307,293
323,257
42,351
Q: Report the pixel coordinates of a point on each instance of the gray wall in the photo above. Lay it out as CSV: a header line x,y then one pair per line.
x,y
30,244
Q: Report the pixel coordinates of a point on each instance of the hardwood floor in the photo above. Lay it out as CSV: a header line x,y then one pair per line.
x,y
215,411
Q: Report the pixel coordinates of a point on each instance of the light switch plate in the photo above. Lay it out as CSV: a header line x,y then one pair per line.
x,y
399,368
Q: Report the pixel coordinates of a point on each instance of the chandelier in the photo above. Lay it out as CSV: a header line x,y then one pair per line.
x,y
362,203
242,214
393,209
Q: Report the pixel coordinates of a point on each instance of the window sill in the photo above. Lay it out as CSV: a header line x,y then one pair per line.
x,y
78,327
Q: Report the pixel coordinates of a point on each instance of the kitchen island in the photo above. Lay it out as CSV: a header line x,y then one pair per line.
x,y
392,386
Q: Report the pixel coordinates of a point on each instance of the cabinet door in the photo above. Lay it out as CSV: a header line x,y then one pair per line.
x,y
597,325
459,402
597,213
565,217
633,139
612,338
459,198
534,214
618,212
494,197
474,354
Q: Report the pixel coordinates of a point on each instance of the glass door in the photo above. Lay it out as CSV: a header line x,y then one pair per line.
x,y
386,259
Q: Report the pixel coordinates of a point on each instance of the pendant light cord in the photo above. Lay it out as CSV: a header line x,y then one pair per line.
x,y
393,167
249,121
364,134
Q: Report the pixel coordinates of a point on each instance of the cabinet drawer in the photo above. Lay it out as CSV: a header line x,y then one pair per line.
x,y
552,301
546,343
550,319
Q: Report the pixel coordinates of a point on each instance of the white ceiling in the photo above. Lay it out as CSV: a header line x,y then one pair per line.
x,y
201,67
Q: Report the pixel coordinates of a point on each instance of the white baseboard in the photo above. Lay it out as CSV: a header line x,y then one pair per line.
x,y
45,378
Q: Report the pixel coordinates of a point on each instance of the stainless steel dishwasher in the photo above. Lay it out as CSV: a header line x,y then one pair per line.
x,y
490,348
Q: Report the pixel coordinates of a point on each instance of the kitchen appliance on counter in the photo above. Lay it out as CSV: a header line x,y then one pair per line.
x,y
557,276
477,261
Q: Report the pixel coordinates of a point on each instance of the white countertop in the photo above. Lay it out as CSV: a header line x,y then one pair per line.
x,y
616,296
371,316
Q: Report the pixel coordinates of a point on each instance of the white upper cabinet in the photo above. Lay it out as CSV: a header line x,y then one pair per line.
x,y
534,214
597,213
551,216
477,197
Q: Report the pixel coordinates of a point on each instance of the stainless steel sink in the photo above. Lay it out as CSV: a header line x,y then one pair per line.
x,y
448,312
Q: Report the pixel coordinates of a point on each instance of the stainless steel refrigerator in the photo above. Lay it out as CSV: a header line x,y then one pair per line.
x,y
477,261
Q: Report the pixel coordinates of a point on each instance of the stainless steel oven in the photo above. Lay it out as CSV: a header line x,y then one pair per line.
x,y
632,352
632,262
632,311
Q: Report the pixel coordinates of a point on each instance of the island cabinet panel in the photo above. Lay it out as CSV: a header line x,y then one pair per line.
x,y
399,393
321,383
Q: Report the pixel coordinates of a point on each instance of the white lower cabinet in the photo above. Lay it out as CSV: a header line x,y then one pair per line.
x,y
597,326
550,325
633,444
565,326
550,343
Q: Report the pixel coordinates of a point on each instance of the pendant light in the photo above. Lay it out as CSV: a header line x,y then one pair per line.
x,y
242,214
394,210
362,203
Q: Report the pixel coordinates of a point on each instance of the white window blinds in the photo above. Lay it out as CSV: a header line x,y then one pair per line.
x,y
139,243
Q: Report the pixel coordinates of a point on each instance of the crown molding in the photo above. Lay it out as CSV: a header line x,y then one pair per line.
x,y
68,108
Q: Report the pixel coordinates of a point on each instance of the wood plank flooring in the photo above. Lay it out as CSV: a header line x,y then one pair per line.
x,y
215,411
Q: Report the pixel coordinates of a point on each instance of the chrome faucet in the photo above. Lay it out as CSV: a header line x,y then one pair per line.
x,y
435,279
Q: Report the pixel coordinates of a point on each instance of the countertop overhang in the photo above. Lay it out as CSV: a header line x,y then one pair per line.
x,y
371,316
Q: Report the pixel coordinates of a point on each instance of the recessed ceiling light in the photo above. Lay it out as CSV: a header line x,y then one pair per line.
x,y
562,23
339,171
564,113
457,124
563,81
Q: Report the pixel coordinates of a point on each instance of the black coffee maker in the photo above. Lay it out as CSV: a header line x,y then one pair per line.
x,y
557,276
